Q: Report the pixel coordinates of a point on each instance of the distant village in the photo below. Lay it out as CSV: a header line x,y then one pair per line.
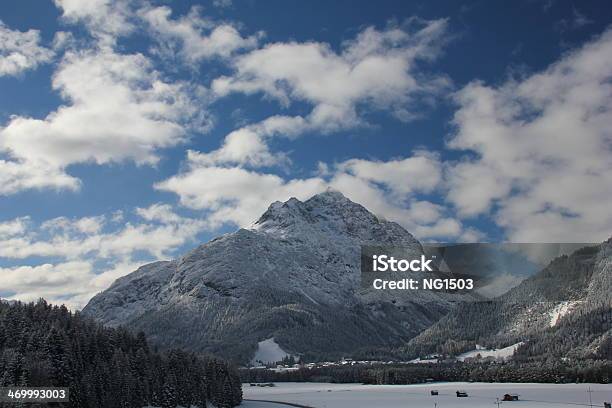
x,y
289,364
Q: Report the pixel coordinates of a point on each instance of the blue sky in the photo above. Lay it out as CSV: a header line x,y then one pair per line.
x,y
132,130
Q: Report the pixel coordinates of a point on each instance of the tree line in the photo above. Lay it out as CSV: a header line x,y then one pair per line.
x,y
591,371
46,345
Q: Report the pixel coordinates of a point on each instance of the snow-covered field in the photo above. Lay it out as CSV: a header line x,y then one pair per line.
x,y
501,354
268,351
481,395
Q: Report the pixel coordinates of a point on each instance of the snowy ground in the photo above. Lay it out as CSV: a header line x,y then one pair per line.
x,y
481,395
268,352
501,354
561,310
257,404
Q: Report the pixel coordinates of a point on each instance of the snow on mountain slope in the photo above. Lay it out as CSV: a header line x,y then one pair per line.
x,y
294,275
268,352
145,284
561,310
498,354
565,309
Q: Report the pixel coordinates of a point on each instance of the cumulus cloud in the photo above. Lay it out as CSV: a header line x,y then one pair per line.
x,y
49,281
160,231
85,225
541,147
63,40
106,20
22,175
420,172
87,254
377,69
117,107
21,51
13,227
248,146
193,37
146,114
71,283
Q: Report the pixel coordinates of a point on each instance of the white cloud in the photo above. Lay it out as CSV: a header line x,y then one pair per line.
x,y
63,40
85,225
248,145
377,69
87,254
222,3
242,146
13,227
47,280
161,213
543,150
106,20
21,51
117,107
193,37
146,114
161,232
71,283
22,175
419,172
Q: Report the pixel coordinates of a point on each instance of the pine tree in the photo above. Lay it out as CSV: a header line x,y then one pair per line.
x,y
168,396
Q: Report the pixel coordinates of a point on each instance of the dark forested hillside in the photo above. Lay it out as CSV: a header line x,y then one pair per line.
x,y
562,312
44,345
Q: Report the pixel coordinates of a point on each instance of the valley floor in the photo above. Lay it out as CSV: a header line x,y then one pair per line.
x,y
324,395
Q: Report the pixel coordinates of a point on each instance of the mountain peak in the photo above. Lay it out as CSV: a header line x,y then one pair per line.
x,y
279,211
330,195
328,206
328,215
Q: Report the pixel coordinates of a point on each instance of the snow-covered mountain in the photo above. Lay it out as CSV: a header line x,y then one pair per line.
x,y
294,276
563,311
